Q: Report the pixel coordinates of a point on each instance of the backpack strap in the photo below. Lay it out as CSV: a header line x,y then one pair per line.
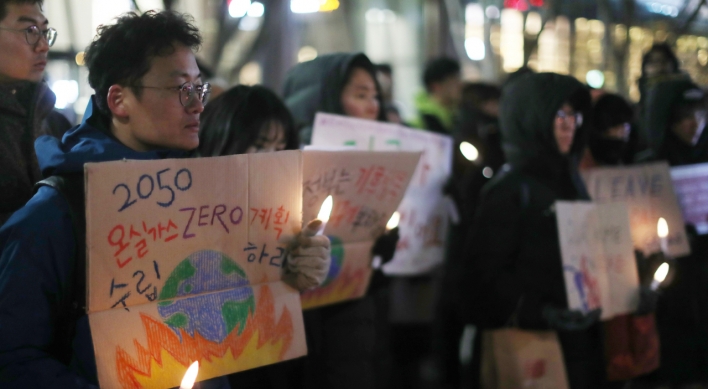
x,y
73,304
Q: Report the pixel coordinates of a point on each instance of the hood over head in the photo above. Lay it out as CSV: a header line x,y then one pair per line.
x,y
527,111
91,141
316,86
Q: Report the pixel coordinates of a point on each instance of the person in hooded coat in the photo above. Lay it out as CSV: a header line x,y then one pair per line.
x,y
347,346
675,117
515,274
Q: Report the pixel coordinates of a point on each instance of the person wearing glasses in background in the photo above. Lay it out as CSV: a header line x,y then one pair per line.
x,y
149,95
26,102
513,274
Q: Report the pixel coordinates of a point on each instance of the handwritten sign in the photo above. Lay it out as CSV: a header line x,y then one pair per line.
x,y
691,186
367,187
648,191
424,212
184,264
598,258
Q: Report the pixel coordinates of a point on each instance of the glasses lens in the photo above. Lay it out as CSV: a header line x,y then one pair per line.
x,y
51,35
32,35
185,94
578,119
205,93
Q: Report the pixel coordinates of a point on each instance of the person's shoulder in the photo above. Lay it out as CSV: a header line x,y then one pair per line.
x,y
47,212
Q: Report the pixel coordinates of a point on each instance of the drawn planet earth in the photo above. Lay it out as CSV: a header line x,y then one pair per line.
x,y
337,254
213,315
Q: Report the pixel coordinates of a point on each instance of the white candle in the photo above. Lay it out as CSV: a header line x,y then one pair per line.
x,y
469,151
325,212
660,275
190,376
662,229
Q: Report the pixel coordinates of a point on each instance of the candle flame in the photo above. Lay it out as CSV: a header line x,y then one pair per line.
x,y
661,272
662,228
469,151
393,221
190,376
326,209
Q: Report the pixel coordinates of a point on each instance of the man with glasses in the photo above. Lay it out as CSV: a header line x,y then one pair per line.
x,y
26,103
149,95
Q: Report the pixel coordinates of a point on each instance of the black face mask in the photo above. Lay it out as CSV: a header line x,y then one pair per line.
x,y
608,151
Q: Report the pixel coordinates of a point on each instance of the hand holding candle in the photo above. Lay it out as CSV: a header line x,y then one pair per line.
x,y
190,376
309,258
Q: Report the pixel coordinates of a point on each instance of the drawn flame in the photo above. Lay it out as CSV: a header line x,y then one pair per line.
x,y
348,285
261,342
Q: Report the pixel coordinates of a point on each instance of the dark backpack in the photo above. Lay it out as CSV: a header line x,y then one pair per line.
x,y
72,305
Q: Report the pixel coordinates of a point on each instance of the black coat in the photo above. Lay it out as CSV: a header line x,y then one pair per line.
x,y
515,266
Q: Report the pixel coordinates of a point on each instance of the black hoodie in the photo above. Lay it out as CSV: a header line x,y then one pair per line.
x,y
316,86
662,99
515,266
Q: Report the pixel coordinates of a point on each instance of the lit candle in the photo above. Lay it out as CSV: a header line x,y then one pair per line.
x,y
660,275
393,221
325,212
469,151
662,229
190,376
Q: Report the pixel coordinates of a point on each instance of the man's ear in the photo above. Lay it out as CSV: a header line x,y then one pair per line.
x,y
116,101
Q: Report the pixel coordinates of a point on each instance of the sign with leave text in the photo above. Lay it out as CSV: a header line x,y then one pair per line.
x,y
649,193
184,264
424,215
366,187
598,257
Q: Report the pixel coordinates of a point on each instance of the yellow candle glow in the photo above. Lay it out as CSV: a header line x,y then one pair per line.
x,y
190,376
660,275
662,229
326,209
469,151
393,221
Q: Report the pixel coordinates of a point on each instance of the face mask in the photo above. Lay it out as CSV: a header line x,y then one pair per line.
x,y
608,151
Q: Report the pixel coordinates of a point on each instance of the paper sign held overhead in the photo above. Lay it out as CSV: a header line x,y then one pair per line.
x,y
648,191
366,188
184,264
598,257
424,214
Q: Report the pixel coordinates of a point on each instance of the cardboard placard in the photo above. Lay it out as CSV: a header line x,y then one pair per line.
x,y
184,263
691,186
649,193
366,188
424,215
598,257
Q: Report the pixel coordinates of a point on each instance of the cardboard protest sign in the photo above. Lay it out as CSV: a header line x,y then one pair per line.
x,y
184,264
598,257
366,188
424,215
648,191
691,186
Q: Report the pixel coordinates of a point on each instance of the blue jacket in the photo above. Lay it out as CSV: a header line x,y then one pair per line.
x,y
37,250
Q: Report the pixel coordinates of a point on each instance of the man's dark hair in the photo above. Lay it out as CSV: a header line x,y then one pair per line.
x,y
121,53
609,111
439,69
4,3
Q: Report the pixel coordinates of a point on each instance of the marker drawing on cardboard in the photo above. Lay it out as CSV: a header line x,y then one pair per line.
x,y
598,257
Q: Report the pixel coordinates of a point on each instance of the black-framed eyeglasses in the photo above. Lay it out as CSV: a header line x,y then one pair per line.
x,y
187,92
33,33
573,118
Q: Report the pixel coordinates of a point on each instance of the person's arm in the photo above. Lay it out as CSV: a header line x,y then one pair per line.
x,y
36,249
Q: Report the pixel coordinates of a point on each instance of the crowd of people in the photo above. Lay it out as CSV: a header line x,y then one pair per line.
x,y
534,135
